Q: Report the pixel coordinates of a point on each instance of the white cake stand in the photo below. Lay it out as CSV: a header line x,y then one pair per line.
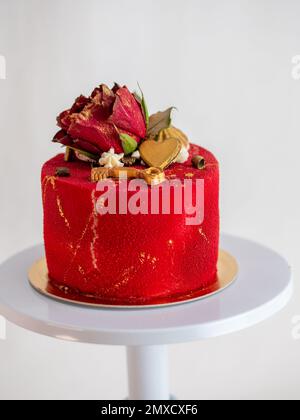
x,y
263,287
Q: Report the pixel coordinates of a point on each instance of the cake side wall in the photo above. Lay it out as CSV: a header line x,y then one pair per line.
x,y
126,259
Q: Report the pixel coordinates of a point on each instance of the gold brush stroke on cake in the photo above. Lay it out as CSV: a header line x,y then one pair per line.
x,y
78,246
92,218
203,235
83,273
171,247
227,274
125,279
61,212
144,257
81,270
94,231
52,180
45,183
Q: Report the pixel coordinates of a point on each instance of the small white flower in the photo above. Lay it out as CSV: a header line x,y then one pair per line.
x,y
136,154
183,155
111,159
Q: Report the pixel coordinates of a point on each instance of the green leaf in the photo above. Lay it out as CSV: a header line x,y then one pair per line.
x,y
144,107
129,144
158,122
145,111
141,100
138,97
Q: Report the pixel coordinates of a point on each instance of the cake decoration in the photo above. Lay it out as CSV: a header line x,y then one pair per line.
x,y
129,144
116,119
183,155
141,100
130,160
136,155
68,154
174,132
62,172
160,154
84,157
158,122
111,159
99,123
152,176
198,162
80,154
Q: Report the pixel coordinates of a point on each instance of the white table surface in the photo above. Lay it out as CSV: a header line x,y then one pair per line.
x,y
263,287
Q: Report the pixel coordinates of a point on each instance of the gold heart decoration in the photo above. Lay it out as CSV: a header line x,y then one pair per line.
x,y
160,154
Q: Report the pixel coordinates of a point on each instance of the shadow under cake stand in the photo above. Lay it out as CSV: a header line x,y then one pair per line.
x,y
263,287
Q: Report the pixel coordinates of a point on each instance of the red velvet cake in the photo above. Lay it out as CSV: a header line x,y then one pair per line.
x,y
138,258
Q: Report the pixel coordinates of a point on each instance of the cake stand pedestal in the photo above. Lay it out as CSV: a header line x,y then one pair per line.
x,y
263,288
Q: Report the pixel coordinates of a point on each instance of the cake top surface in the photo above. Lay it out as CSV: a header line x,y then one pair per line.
x,y
78,172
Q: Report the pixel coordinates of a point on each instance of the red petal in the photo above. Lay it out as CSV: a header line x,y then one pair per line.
x,y
116,87
87,146
79,104
101,134
63,138
101,103
94,110
65,118
105,93
127,113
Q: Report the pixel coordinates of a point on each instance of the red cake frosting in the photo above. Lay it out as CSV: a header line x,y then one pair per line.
x,y
128,259
141,258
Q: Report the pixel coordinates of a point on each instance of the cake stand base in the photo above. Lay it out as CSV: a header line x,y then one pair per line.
x,y
263,287
148,373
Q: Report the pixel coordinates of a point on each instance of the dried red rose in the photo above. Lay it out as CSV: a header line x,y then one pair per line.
x,y
98,123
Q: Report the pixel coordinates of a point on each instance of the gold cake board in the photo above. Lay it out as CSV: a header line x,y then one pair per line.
x,y
39,280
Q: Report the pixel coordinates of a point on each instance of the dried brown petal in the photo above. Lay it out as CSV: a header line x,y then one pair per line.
x,y
129,160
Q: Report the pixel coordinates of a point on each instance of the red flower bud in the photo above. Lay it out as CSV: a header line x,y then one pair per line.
x,y
94,124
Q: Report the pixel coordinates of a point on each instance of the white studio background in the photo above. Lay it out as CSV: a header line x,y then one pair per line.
x,y
230,67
